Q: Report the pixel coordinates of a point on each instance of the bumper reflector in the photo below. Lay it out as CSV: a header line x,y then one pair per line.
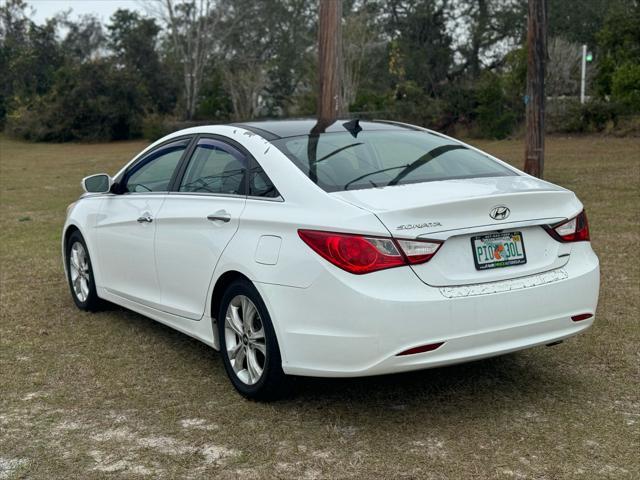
x,y
421,349
582,316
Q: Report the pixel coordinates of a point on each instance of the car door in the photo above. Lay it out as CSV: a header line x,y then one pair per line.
x,y
127,223
197,221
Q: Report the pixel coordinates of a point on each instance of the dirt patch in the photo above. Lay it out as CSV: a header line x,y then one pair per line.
x,y
10,466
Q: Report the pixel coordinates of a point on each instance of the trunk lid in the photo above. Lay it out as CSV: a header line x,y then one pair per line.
x,y
457,210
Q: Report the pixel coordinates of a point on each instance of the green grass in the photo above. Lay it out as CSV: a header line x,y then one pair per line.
x,y
114,394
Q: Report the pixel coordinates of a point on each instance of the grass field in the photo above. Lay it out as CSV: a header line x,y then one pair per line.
x,y
114,394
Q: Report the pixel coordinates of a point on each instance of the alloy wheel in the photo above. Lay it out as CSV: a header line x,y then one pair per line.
x,y
79,271
245,340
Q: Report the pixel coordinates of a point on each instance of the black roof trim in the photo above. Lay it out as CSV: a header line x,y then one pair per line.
x,y
397,124
258,131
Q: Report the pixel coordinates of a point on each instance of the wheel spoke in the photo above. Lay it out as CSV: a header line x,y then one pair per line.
x,y
233,320
73,262
77,288
238,364
81,257
74,256
84,287
74,272
233,351
248,313
261,347
257,334
253,368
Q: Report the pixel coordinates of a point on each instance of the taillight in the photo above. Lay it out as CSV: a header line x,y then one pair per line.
x,y
362,254
419,251
573,230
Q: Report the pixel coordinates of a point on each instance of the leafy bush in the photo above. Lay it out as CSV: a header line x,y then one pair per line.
x,y
413,105
155,126
90,101
564,116
369,100
460,104
570,116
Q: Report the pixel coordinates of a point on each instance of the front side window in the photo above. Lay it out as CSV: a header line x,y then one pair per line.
x,y
154,172
215,167
340,161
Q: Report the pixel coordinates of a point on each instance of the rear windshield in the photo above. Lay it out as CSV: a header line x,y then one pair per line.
x,y
340,161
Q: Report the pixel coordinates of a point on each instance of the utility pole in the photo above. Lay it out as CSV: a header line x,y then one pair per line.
x,y
329,76
329,61
536,59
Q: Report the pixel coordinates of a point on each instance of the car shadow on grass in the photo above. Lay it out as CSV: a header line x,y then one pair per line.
x,y
508,375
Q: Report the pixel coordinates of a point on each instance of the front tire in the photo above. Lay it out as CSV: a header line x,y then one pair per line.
x,y
80,274
248,344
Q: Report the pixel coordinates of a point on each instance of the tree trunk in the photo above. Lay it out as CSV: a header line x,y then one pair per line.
x,y
535,100
329,61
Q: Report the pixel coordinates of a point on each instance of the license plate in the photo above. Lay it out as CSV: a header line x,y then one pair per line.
x,y
498,250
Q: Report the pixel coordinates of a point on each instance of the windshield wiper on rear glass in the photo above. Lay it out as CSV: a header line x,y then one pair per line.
x,y
407,169
347,185
424,159
335,152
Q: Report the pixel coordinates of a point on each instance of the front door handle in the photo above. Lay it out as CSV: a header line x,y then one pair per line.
x,y
221,216
146,218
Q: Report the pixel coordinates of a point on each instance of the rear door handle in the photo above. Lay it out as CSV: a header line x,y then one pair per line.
x,y
221,216
146,218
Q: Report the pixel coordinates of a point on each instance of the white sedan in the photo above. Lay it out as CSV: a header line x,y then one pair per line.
x,y
369,248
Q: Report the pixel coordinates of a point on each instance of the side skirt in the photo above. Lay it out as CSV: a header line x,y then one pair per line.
x,y
202,330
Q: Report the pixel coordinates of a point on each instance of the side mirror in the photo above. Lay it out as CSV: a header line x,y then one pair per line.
x,y
99,183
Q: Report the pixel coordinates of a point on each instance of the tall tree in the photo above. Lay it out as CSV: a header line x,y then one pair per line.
x,y
192,26
262,53
84,40
360,36
30,54
618,53
292,37
424,45
133,40
578,21
490,29
537,55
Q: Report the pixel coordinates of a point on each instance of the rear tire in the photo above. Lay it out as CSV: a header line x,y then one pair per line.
x,y
249,346
80,274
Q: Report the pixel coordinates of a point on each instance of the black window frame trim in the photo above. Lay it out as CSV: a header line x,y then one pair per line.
x,y
120,178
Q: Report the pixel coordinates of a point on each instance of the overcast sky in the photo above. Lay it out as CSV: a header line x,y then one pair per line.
x,y
101,8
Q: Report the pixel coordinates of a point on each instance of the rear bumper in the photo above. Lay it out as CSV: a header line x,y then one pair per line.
x,y
348,326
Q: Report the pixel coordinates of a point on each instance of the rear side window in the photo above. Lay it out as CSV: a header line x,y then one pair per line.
x,y
260,184
341,161
154,172
215,167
